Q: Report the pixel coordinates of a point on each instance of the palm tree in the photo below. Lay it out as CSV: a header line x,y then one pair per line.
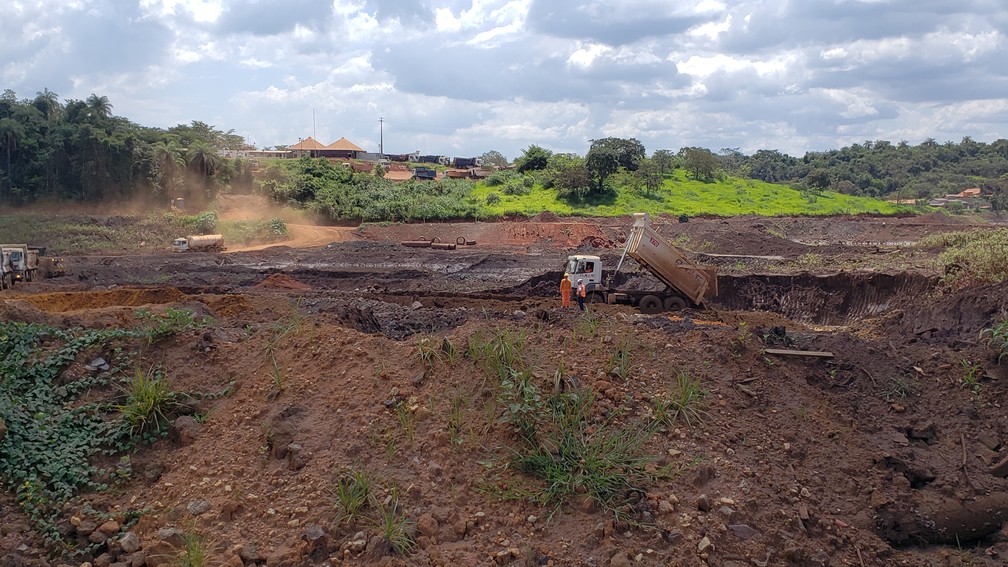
x,y
11,133
168,159
47,102
203,161
99,105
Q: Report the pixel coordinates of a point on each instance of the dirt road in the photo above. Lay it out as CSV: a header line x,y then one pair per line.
x,y
307,236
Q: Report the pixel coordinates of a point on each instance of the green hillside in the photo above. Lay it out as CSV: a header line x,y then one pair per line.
x,y
681,194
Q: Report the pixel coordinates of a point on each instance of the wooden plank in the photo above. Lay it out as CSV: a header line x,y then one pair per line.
x,y
814,353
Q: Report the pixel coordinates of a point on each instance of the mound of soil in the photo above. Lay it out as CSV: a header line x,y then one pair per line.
x,y
282,281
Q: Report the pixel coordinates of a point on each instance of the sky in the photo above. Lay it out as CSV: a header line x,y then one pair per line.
x,y
462,77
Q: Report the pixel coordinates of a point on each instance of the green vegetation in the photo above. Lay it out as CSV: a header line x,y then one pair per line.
x,y
996,337
351,493
396,529
565,446
971,257
687,402
150,404
71,234
57,425
681,194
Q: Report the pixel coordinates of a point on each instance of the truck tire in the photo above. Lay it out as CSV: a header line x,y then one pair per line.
x,y
596,297
674,303
650,304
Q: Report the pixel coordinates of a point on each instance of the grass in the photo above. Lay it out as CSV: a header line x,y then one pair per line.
x,y
150,405
353,487
455,423
680,194
996,337
971,257
393,527
619,360
687,403
971,379
196,550
76,233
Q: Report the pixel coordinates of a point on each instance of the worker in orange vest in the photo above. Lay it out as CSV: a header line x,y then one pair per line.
x,y
582,292
565,291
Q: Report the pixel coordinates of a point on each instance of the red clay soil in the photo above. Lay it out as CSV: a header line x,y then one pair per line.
x,y
885,452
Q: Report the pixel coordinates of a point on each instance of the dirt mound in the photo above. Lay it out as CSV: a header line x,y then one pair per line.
x,y
282,281
125,297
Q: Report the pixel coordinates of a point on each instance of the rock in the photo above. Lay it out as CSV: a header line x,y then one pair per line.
x,y
98,537
704,544
185,430
110,527
1001,468
356,545
229,510
427,525
158,553
317,541
986,439
198,507
129,542
619,560
103,560
703,503
704,474
742,531
249,553
296,457
665,507
233,561
416,305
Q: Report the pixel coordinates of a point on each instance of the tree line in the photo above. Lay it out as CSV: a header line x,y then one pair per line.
x,y
78,150
873,169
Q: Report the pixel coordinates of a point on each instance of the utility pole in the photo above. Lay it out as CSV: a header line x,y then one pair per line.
x,y
381,137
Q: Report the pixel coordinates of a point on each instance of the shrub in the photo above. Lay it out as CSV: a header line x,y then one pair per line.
x,y
493,199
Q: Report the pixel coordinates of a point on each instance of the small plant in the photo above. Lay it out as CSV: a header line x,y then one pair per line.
x,y
522,401
899,388
688,403
196,550
428,352
352,490
395,529
171,322
996,337
619,360
971,380
405,412
150,404
455,419
588,325
449,351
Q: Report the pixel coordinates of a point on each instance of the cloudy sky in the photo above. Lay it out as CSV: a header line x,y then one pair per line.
x,y
460,77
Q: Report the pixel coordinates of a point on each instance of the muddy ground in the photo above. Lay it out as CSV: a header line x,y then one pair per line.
x,y
878,454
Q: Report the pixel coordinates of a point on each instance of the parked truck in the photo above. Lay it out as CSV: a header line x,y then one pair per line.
x,y
22,262
687,284
199,243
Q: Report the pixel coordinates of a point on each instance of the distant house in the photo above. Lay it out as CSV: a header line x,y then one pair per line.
x,y
342,148
309,147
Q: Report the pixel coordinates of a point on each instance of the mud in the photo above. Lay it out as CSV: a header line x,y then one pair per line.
x,y
879,454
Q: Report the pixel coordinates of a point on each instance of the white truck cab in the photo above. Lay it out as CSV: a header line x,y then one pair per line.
x,y
587,268
180,245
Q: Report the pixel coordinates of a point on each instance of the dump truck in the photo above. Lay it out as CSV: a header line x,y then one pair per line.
x,y
199,243
23,263
6,270
687,284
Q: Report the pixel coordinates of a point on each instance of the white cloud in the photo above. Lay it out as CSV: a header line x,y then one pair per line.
x,y
465,76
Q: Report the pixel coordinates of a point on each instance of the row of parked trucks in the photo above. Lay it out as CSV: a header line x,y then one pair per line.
x,y
23,263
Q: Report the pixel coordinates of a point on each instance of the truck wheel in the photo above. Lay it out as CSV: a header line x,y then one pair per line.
x,y
650,304
674,303
596,297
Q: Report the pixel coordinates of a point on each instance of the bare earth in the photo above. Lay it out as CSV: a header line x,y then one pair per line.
x,y
877,455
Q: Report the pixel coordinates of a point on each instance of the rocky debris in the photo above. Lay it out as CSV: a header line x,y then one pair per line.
x,y
185,429
198,507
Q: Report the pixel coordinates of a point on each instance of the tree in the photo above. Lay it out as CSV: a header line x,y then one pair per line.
x,y
99,105
607,155
493,157
10,134
664,160
47,102
819,180
534,158
701,163
203,162
651,176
